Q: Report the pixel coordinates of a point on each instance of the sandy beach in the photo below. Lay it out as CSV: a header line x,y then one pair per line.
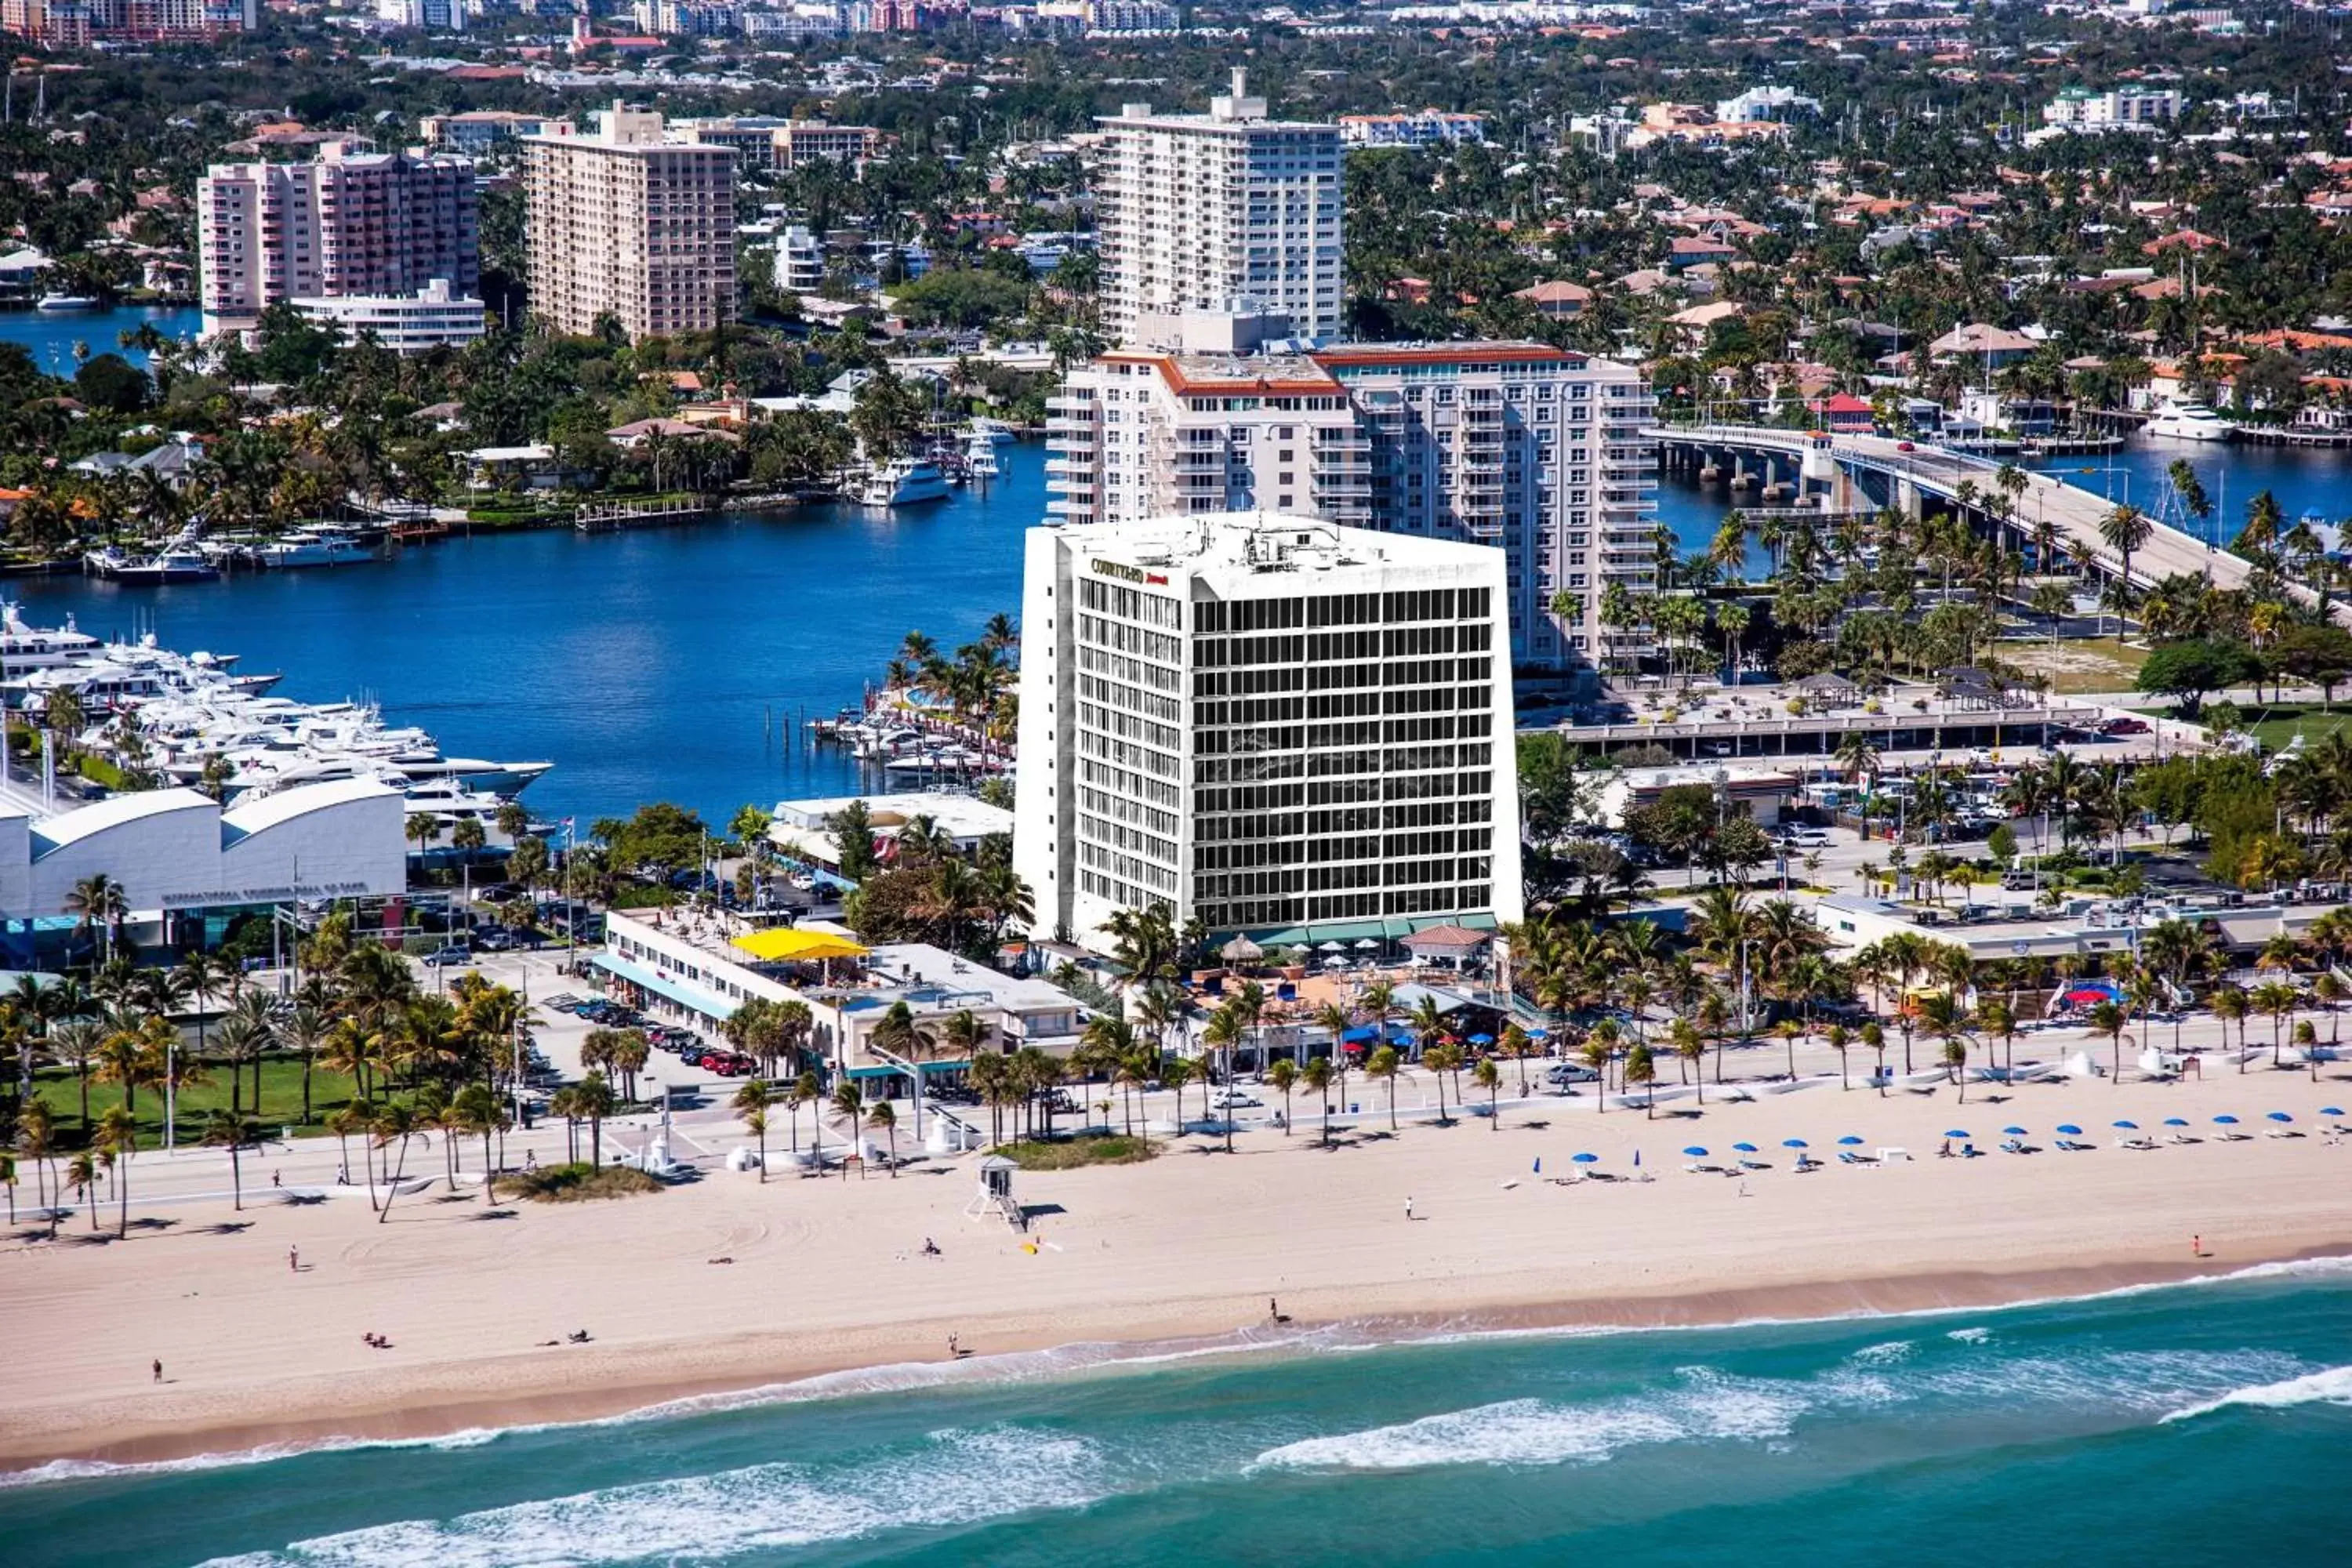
x,y
828,1275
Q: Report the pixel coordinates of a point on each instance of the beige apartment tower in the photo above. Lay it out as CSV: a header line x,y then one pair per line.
x,y
622,222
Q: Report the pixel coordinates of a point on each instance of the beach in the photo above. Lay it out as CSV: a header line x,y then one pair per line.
x,y
1184,1251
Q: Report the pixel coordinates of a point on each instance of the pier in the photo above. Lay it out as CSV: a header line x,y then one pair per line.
x,y
610,517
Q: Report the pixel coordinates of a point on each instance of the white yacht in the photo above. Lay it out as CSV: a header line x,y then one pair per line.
x,y
903,481
180,559
2180,421
980,456
304,548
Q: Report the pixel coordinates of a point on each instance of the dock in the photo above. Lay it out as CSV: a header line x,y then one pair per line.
x,y
610,517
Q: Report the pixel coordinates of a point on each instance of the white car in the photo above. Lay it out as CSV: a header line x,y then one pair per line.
x,y
1235,1099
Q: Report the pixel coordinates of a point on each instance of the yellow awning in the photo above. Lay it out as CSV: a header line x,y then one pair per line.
x,y
787,943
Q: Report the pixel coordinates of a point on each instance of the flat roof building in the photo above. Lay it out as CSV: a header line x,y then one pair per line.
x,y
1270,723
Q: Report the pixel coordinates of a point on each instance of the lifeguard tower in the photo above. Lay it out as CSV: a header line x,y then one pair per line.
x,y
995,1194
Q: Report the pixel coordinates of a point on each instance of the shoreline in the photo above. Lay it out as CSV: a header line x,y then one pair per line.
x,y
425,1407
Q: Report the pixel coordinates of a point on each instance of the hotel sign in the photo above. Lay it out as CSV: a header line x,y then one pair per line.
x,y
1126,574
278,895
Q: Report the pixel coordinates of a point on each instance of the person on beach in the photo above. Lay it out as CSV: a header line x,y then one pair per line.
x,y
955,1351
277,1178
294,1260
1408,1208
2196,1247
158,1370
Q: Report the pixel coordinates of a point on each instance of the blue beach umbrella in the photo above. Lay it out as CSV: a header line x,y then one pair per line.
x,y
1850,1140
2226,1120
2069,1128
1745,1148
2331,1110
2128,1126
2014,1131
1586,1159
2175,1121
2279,1116
1954,1132
1794,1143
1695,1153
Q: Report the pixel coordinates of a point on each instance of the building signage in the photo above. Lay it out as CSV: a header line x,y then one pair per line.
x,y
1118,569
217,897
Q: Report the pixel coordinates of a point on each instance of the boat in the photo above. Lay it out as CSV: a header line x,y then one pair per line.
x,y
999,433
2180,421
180,559
66,302
305,548
903,481
980,456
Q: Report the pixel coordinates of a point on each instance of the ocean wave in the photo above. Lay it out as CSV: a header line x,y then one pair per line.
x,y
2331,1387
957,1477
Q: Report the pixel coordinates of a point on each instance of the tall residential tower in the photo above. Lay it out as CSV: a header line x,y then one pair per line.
x,y
1200,211
625,223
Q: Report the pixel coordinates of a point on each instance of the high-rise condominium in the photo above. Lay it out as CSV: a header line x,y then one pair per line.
x,y
1198,211
623,223
1274,724
349,224
1533,449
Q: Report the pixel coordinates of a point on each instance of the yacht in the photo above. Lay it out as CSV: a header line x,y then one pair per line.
x,y
180,559
998,432
903,481
980,456
304,548
2178,421
67,302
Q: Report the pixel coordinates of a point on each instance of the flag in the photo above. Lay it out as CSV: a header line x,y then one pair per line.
x,y
1540,1164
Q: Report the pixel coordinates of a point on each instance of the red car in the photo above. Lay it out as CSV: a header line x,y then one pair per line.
x,y
1905,447
2123,727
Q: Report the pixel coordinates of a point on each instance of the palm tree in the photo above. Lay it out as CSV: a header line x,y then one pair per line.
x,y
849,1104
2278,999
1317,1076
395,1124
1225,1027
227,1130
118,1138
2125,529
808,1089
883,1117
1488,1077
751,1102
1642,1068
2109,1019
37,1141
1282,1077
1383,1063
593,1097
1440,1060
99,901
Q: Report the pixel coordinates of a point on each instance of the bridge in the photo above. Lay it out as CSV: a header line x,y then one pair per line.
x,y
1915,471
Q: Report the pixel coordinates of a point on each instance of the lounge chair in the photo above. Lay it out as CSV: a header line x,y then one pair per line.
x,y
1807,1162
2015,1146
1848,1157
2234,1137
1746,1165
2135,1143
2182,1138
2282,1132
1699,1170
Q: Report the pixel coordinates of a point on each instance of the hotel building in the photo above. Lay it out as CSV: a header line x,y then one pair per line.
x,y
625,223
1200,210
1534,449
1272,724
436,316
351,222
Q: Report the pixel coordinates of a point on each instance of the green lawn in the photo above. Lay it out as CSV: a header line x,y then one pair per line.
x,y
281,1100
2078,665
2276,724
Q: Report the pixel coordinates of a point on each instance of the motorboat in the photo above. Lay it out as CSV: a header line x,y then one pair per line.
x,y
66,302
306,548
180,560
903,481
2189,421
980,456
998,432
504,780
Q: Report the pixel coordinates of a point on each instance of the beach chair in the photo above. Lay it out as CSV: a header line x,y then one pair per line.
x,y
2072,1147
2282,1132
1848,1157
2235,1136
2015,1146
2135,1143
1807,1162
1696,1169
2181,1138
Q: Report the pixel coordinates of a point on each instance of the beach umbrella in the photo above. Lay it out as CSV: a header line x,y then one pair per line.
x,y
1955,1132
1850,1140
2175,1121
1794,1143
2226,1120
2331,1110
2128,1126
2069,1128
1745,1148
2014,1131
1335,962
1695,1153
1367,945
1331,947
2279,1116
1482,1039
1586,1159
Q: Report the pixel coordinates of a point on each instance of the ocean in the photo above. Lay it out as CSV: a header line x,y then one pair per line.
x,y
2204,1423
50,336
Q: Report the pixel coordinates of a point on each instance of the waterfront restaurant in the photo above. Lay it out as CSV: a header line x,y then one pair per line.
x,y
689,971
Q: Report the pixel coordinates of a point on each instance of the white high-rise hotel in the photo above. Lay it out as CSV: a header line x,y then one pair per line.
x,y
1272,724
1533,449
1198,211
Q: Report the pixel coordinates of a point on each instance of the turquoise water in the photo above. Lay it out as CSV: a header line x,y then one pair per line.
x,y
665,663
52,334
2203,1424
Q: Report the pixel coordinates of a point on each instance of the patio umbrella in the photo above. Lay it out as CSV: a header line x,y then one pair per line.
x,y
2069,1128
1794,1143
1331,947
1367,945
1241,950
1695,1153
1745,1148
2128,1126
2279,1116
2226,1120
2013,1131
1482,1039
1335,962
1586,1159
1850,1139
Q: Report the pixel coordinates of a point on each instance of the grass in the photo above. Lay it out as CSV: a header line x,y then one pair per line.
x,y
1089,1149
281,1100
2079,664
2276,724
575,1183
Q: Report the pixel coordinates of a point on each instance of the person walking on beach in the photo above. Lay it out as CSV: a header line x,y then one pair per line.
x,y
294,1260
1408,1208
2196,1247
159,1369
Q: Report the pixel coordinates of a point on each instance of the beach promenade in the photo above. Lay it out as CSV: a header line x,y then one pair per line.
x,y
728,1284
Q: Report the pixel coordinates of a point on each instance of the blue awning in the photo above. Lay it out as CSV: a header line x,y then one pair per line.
x,y
678,990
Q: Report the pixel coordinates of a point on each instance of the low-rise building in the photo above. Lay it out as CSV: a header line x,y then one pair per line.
x,y
437,316
1411,128
2117,108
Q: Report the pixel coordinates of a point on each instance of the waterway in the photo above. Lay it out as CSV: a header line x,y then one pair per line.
x,y
671,663
51,335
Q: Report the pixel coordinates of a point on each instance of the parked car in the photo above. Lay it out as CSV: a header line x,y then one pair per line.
x,y
496,939
446,957
2124,727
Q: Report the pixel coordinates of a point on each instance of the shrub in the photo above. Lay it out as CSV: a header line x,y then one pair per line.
x,y
1068,1154
576,1183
